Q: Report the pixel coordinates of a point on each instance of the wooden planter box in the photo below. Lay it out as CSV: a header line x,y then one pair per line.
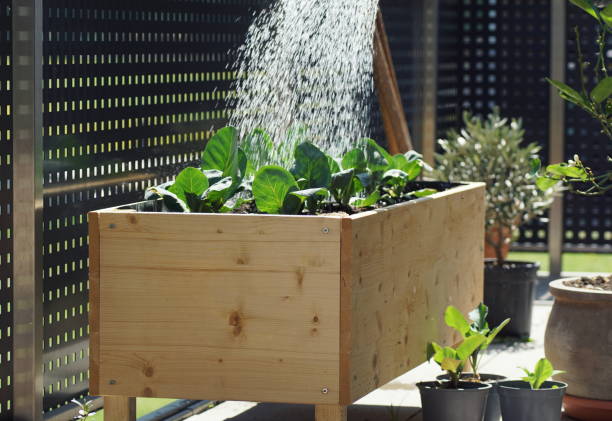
x,y
297,309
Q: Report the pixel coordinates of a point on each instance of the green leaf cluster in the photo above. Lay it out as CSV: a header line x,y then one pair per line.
x,y
477,325
543,371
492,151
594,98
452,360
365,176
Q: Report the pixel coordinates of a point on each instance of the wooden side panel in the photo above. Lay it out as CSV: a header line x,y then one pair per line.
x,y
409,262
119,408
230,307
94,303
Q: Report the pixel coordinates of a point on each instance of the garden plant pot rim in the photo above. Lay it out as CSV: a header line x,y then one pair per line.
x,y
566,293
430,385
520,264
492,378
505,385
459,188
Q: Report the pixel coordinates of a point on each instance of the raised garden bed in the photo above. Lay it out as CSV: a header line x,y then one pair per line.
x,y
268,308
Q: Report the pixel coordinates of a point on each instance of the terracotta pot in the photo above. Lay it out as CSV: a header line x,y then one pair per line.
x,y
587,409
579,340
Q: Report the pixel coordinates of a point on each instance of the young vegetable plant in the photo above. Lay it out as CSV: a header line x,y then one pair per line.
x,y
85,410
478,326
365,176
453,360
542,372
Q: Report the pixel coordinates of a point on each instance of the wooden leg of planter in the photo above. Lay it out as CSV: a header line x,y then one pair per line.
x,y
330,413
118,408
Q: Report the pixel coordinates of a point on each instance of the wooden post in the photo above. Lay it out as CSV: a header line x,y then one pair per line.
x,y
385,79
119,408
330,413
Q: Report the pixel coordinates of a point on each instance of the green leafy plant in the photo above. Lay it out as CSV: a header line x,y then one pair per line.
x,y
595,99
543,371
85,409
492,151
478,326
227,180
452,360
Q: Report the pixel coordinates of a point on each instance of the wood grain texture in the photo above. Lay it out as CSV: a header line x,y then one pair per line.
x,y
119,408
330,413
242,307
408,263
389,97
94,303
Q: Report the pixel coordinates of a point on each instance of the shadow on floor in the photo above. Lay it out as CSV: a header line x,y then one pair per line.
x,y
283,412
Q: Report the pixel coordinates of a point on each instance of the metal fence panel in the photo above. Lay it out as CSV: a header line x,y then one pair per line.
x,y
131,88
6,220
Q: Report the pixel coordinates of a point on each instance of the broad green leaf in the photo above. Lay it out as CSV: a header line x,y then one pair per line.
x,y
424,192
311,164
469,345
450,364
334,167
478,316
410,167
494,333
570,93
455,319
413,156
545,183
585,5
219,192
192,180
371,200
603,90
395,177
564,170
342,186
220,151
356,159
320,192
271,186
377,157
213,176
171,200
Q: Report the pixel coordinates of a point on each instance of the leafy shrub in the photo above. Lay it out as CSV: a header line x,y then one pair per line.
x,y
365,176
492,151
452,360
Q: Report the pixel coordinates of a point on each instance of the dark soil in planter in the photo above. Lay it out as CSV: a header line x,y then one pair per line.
x,y
332,208
596,283
509,292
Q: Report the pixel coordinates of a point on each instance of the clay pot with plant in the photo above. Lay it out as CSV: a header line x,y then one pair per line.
x,y
579,331
493,151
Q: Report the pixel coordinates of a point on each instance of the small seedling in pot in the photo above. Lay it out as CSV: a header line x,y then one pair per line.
x,y
542,372
479,326
452,360
85,410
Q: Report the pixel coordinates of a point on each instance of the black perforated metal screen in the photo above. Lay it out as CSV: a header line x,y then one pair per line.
x,y
131,88
6,294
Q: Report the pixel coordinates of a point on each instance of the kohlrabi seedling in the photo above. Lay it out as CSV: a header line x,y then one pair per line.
x,y
542,372
478,326
452,360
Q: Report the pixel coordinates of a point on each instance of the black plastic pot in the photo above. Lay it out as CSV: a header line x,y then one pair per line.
x,y
492,411
519,402
509,291
467,403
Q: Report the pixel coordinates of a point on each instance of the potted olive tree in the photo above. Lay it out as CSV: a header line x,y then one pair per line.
x,y
492,151
534,397
579,330
454,399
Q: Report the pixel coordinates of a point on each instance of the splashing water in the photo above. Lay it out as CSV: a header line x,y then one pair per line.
x,y
305,72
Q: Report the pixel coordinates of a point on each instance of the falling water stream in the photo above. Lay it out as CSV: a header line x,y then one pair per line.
x,y
306,70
